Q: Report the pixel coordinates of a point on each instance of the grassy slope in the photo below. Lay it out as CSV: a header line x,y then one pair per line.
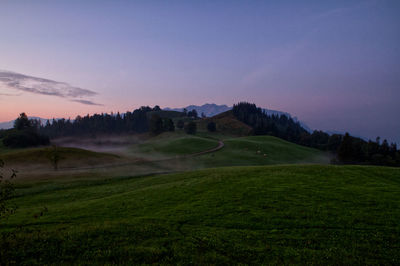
x,y
3,149
71,157
227,124
253,150
276,214
262,150
174,144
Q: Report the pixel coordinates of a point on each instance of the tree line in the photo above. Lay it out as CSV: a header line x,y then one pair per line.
x,y
130,122
348,149
141,120
25,133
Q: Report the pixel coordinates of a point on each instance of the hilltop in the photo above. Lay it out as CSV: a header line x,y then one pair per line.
x,y
212,109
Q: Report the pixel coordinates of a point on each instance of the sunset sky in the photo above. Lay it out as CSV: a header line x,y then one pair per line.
x,y
333,64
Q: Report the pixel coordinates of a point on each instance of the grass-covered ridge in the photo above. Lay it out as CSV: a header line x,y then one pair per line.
x,y
269,214
226,123
174,144
252,150
67,156
263,150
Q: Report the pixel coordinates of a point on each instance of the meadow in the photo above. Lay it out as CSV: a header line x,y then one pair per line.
x,y
252,215
258,200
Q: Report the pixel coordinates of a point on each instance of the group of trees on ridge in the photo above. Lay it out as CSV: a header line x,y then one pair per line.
x,y
24,134
130,122
28,132
348,149
146,119
141,120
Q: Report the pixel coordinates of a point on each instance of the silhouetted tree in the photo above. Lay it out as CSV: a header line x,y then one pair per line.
x,y
345,151
131,122
169,125
192,113
22,122
211,126
334,142
156,124
55,157
180,124
191,128
24,134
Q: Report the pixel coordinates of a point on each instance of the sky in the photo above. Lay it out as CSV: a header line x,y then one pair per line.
x,y
333,64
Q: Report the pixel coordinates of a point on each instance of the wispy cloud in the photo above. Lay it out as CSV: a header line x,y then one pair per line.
x,y
86,102
9,94
23,83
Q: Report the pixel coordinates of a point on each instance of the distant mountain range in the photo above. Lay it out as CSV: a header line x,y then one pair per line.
x,y
211,109
6,125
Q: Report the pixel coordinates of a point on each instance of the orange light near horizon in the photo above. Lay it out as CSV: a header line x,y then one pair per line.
x,y
43,106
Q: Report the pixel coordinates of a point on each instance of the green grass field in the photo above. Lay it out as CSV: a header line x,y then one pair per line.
x,y
238,151
308,214
262,150
41,157
268,202
172,144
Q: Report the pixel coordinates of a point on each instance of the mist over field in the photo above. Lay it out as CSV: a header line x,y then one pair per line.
x,y
199,132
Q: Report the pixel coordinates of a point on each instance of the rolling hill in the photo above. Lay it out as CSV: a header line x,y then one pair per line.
x,y
252,215
227,124
211,109
68,157
170,144
263,150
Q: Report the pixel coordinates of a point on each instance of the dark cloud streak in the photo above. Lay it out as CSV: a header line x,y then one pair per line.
x,y
86,102
36,85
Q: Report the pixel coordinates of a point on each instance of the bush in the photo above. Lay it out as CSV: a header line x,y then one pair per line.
x,y
191,128
168,124
180,124
211,126
156,124
24,138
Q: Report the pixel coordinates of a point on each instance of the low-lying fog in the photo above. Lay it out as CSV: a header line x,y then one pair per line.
x,y
109,144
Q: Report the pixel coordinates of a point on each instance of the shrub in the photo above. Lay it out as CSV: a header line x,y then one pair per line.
x,y
211,126
191,128
180,124
24,138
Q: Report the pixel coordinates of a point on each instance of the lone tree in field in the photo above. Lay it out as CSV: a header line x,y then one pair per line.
x,y
212,127
55,157
191,128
